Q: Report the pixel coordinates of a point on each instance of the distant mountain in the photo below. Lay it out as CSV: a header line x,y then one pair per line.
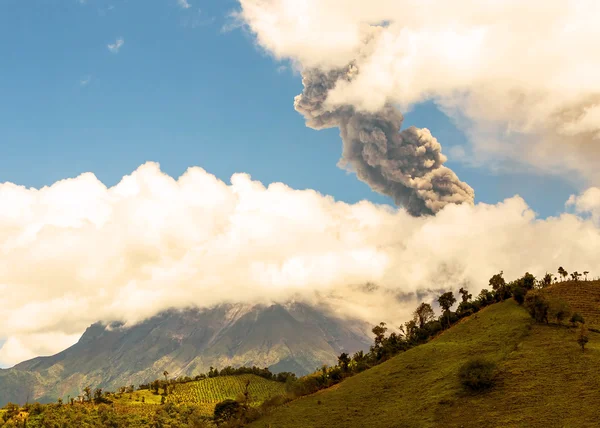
x,y
293,337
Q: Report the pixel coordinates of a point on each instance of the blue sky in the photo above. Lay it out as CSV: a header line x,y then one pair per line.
x,y
182,92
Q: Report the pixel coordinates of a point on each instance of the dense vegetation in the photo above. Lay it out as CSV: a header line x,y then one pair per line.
x,y
522,340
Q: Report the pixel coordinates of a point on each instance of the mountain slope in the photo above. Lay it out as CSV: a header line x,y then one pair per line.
x,y
544,381
294,338
582,297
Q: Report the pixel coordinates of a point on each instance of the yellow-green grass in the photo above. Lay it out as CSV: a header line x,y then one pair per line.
x,y
208,392
582,296
544,380
135,398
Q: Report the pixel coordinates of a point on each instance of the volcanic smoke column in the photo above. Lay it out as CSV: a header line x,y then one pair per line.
x,y
406,165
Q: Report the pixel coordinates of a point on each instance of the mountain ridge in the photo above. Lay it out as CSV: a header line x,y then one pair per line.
x,y
294,337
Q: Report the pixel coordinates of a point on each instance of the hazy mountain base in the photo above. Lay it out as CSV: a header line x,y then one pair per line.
x,y
294,337
544,380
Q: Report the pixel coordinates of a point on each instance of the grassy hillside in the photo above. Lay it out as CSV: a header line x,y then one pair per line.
x,y
582,296
189,405
544,380
209,392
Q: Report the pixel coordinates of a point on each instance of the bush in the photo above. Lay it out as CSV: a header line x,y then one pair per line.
x,y
538,306
226,410
519,294
559,310
477,374
577,318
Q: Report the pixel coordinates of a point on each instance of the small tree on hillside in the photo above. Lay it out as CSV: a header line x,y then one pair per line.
x,y
344,361
585,274
575,276
423,314
582,336
538,306
547,280
464,293
379,332
87,392
446,301
559,310
498,284
165,374
562,272
577,318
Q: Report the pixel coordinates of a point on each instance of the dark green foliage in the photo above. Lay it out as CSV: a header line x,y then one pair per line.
x,y
538,306
562,272
226,410
559,310
477,374
577,318
423,314
519,293
446,300
465,296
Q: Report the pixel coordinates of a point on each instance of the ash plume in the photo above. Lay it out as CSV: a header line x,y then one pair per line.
x,y
406,165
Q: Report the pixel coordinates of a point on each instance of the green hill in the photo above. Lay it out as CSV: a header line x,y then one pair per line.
x,y
208,392
544,380
582,297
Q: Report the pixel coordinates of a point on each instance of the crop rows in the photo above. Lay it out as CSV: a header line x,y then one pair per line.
x,y
213,390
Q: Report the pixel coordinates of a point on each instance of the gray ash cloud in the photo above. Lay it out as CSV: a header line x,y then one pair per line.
x,y
406,165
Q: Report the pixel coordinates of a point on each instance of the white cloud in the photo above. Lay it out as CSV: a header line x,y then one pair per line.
x,y
116,46
85,81
184,4
587,203
519,77
78,252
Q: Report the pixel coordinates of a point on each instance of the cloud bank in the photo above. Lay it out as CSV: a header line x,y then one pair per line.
x,y
77,252
520,78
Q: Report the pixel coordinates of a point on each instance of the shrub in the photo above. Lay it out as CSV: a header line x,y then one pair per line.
x,y
538,306
226,410
582,337
477,374
577,318
559,310
519,294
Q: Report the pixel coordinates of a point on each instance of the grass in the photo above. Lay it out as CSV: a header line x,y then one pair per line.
x,y
544,380
209,392
582,297
204,394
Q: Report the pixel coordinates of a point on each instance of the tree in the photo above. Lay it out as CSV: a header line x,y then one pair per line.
x,y
582,336
498,284
87,391
562,272
497,281
528,281
379,332
585,274
226,410
465,295
446,301
344,361
575,276
559,310
165,374
538,306
547,280
423,314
